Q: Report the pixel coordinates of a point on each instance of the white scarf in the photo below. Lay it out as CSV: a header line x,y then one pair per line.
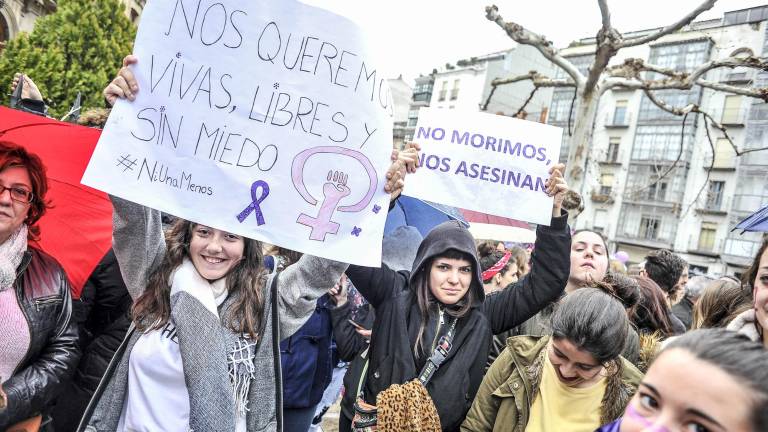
x,y
186,278
11,254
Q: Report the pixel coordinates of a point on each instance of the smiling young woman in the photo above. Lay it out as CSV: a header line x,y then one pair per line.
x,y
574,380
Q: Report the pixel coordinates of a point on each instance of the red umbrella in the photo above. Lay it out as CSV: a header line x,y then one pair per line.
x,y
77,231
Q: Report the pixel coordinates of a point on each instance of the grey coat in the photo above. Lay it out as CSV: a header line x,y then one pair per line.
x,y
140,248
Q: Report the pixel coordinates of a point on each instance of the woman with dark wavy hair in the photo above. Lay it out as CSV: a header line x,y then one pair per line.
x,y
203,351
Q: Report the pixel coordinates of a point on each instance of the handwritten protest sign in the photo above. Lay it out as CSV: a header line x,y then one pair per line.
x,y
487,163
266,119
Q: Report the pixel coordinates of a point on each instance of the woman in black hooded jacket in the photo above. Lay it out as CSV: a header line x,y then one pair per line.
x,y
415,309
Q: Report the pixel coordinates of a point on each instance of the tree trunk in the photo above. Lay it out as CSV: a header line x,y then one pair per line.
x,y
580,143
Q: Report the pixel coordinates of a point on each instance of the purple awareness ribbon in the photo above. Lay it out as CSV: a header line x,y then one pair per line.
x,y
256,200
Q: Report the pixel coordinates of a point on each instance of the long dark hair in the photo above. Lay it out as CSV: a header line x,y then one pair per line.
x,y
736,355
427,301
245,281
594,320
651,314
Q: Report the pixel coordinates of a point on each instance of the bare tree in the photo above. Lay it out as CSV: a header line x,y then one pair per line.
x,y
631,74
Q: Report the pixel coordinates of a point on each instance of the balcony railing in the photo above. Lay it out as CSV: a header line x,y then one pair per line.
x,y
709,205
702,245
748,203
618,121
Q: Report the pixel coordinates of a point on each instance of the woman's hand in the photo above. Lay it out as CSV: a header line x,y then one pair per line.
x,y
29,91
124,86
403,162
556,187
339,292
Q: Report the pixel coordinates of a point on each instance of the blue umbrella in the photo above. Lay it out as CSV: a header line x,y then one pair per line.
x,y
757,222
423,215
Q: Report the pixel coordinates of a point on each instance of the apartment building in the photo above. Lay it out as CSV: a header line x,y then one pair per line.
x,y
634,195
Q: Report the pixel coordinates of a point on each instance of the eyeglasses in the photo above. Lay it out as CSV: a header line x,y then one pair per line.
x,y
18,194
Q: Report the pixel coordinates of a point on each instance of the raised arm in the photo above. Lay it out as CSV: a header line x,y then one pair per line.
x,y
549,269
300,285
377,284
138,242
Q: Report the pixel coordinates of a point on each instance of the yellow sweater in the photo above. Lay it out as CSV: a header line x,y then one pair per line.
x,y
561,408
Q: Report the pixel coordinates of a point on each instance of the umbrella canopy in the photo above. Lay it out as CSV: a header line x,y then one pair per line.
x,y
757,222
423,215
77,230
490,227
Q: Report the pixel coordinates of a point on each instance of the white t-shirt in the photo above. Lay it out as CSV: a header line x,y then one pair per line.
x,y
157,398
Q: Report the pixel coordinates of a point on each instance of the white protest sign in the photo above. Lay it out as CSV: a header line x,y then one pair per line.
x,y
484,162
267,119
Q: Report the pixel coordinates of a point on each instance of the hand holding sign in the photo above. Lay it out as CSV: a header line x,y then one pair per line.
x,y
557,187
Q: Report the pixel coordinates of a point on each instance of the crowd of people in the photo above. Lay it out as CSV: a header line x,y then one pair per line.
x,y
187,327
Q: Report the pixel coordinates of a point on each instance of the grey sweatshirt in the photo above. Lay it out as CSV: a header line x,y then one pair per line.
x,y
204,342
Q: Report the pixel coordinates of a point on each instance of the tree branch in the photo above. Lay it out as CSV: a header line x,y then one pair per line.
x,y
608,40
520,35
704,6
525,104
627,75
536,78
709,171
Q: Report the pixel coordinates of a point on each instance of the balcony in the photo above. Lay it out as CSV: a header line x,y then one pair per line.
x,y
602,195
711,206
700,245
614,121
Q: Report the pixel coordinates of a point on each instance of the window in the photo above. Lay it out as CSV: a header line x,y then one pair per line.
x,y
601,220
412,122
707,236
715,195
620,113
443,91
613,149
649,227
561,103
606,184
455,90
660,143
732,110
724,154
656,192
414,113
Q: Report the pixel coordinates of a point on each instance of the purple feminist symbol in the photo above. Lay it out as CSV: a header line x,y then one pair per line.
x,y
255,202
332,193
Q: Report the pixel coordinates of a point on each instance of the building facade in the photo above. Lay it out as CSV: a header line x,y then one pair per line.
x,y
18,16
637,194
467,84
401,93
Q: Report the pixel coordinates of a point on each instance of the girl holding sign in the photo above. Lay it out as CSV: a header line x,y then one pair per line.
x,y
202,353
435,323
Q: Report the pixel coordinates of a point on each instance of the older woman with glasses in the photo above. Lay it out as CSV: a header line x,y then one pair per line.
x,y
39,349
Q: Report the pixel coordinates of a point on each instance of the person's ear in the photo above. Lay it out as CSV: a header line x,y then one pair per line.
x,y
497,278
643,273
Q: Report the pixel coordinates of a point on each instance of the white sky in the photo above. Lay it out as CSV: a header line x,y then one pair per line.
x,y
416,36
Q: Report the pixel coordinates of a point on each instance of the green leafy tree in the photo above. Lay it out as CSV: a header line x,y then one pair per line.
x,y
79,48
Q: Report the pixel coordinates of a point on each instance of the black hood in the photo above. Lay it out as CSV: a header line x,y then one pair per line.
x,y
449,235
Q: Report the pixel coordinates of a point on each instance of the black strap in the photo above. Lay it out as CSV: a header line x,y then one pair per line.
x,y
442,349
276,354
